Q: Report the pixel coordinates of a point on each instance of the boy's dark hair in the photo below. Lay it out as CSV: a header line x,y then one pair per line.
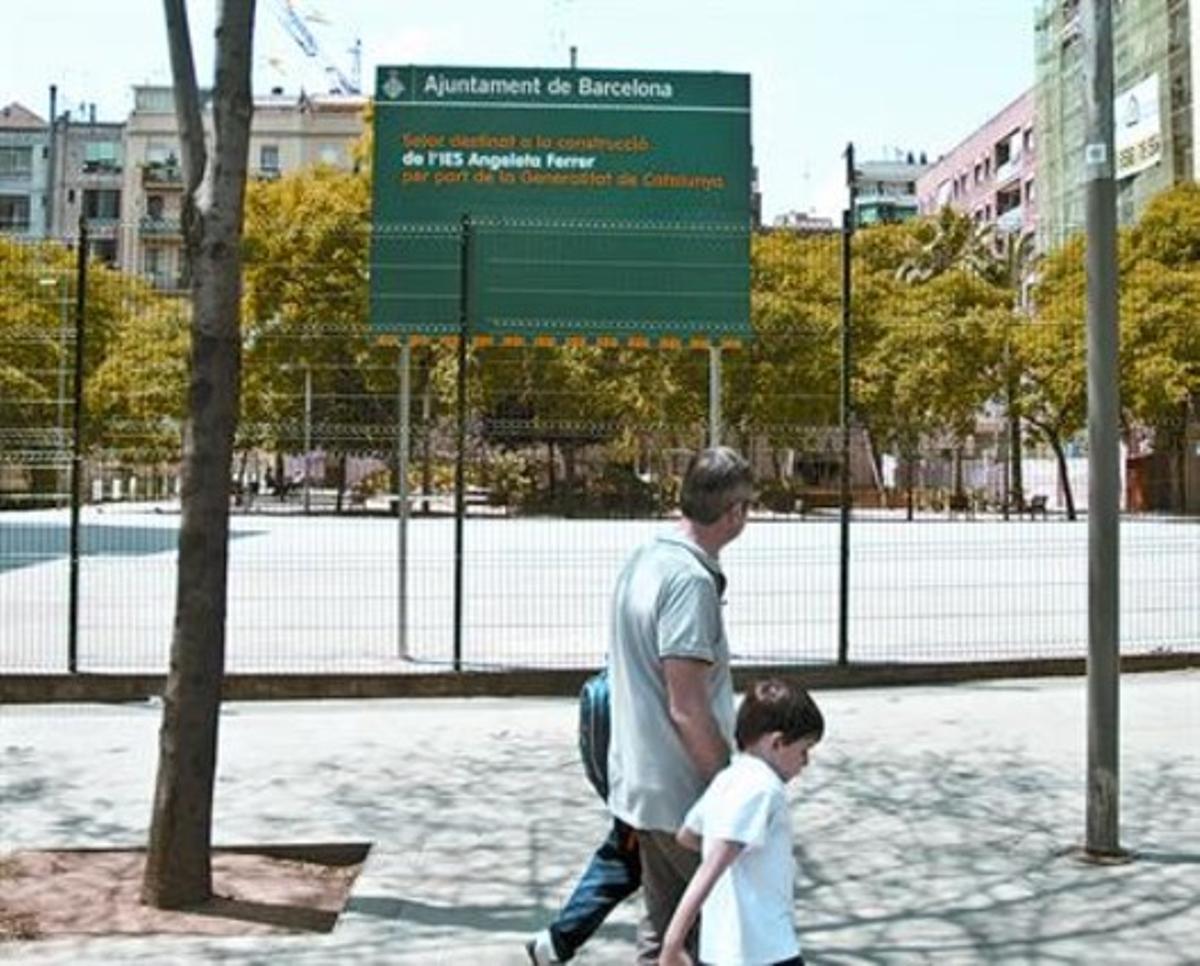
x,y
715,480
778,704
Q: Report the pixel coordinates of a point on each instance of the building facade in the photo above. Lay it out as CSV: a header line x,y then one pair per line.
x,y
287,133
804,222
1154,108
990,174
24,159
88,161
886,191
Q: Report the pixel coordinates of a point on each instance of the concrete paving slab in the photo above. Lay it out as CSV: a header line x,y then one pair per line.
x,y
930,829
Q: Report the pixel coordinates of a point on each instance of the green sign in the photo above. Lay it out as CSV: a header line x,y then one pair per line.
x,y
595,203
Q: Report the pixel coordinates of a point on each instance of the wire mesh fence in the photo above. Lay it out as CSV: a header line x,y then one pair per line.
x,y
965,463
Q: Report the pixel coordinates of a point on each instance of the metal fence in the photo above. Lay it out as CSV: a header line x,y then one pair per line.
x,y
963,540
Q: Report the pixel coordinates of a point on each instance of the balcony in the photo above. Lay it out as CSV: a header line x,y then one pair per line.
x,y
102,167
1011,220
158,174
1009,170
149,227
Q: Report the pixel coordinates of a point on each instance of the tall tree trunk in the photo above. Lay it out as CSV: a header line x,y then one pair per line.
x,y
178,862
1016,486
1064,478
343,460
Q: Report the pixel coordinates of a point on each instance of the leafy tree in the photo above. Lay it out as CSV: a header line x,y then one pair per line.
x,y
930,318
949,241
1052,354
305,306
1159,306
783,386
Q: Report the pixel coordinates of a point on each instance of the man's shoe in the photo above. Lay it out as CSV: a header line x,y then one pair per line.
x,y
541,950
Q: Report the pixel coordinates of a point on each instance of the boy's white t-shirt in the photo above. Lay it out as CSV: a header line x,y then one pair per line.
x,y
747,918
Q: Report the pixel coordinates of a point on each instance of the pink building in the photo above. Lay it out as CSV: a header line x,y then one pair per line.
x,y
990,174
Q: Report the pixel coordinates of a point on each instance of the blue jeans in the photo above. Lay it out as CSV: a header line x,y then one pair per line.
x,y
613,874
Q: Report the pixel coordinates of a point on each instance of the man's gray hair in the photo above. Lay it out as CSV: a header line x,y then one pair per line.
x,y
715,479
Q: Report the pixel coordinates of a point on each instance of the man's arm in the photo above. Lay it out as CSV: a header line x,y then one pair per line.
x,y
715,863
690,712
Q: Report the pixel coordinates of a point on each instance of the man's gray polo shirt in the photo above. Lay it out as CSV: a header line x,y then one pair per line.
x,y
666,604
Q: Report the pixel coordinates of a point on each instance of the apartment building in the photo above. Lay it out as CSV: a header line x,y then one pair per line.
x,y
288,133
87,162
1154,109
24,155
885,191
990,174
803,222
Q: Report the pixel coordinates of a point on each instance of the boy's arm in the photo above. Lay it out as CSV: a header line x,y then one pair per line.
x,y
720,858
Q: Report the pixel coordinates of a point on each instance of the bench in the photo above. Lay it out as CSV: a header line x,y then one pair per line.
x,y
961,503
1036,505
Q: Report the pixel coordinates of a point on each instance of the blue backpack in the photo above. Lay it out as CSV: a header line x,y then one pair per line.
x,y
595,727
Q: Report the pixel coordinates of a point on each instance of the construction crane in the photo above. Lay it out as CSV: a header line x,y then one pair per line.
x,y
294,24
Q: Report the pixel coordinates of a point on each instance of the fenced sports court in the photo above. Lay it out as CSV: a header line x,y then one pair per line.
x,y
571,452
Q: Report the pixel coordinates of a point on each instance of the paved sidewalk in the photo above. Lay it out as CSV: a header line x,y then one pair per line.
x,y
930,827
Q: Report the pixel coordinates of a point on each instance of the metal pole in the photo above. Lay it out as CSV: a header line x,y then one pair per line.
x,y
845,418
402,510
63,292
1103,665
77,452
460,476
307,435
1011,441
714,395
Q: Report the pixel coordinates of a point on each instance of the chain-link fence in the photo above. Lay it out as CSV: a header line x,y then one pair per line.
x,y
963,460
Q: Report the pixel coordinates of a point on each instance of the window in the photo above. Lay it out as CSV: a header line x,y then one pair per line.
x,y
162,154
101,156
978,173
154,206
330,154
268,157
16,162
102,204
14,212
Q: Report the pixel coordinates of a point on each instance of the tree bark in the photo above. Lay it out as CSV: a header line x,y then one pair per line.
x,y
178,861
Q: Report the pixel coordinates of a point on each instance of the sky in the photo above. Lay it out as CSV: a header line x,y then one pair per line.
x,y
917,75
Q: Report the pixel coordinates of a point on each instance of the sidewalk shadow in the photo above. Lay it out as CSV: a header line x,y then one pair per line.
x,y
941,858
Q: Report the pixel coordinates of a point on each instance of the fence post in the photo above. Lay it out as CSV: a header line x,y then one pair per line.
x,y
77,449
402,510
845,416
460,503
308,402
714,395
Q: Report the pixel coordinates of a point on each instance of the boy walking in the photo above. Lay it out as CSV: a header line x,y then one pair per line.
x,y
742,826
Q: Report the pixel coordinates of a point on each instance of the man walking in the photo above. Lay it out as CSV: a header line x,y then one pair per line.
x,y
672,691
